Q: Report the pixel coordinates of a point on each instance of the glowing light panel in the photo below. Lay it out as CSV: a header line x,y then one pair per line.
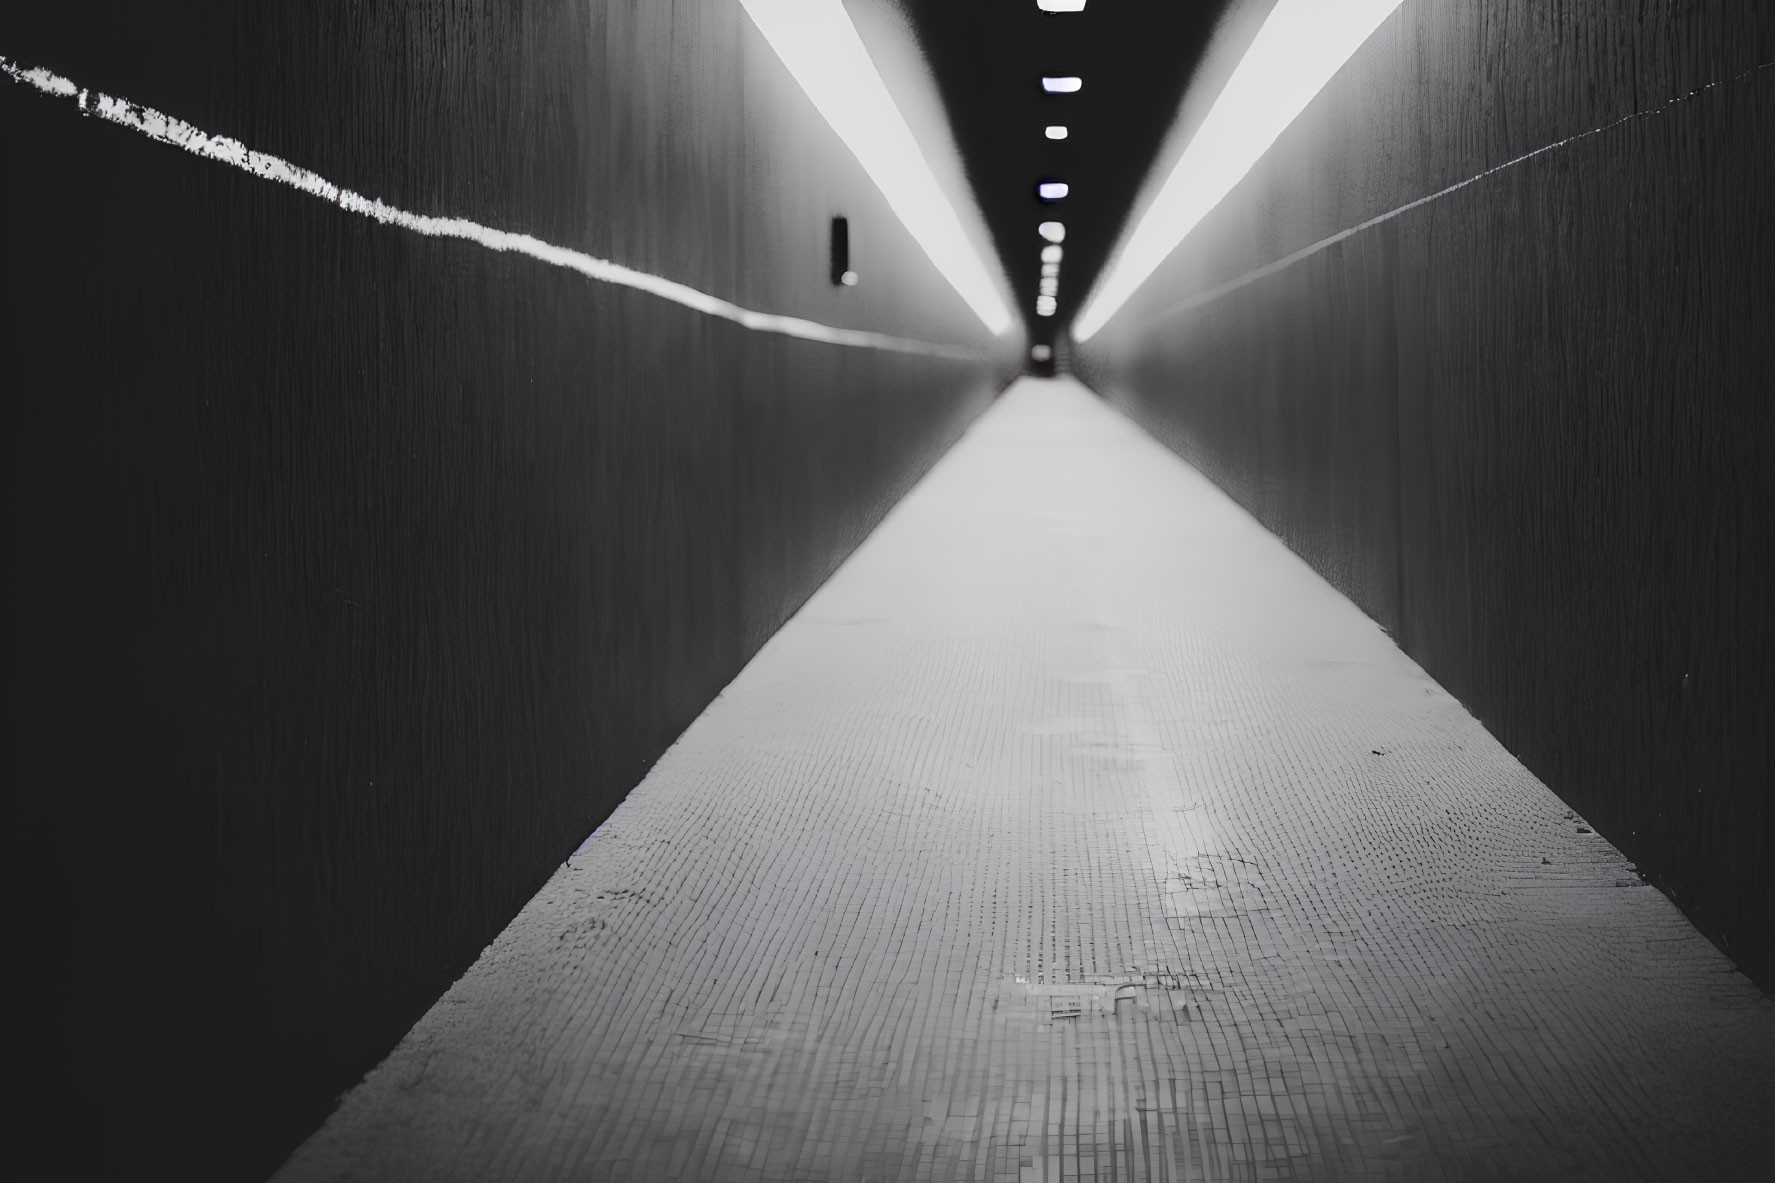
x,y
821,48
1060,5
1052,190
1052,231
1056,131
1300,46
1068,85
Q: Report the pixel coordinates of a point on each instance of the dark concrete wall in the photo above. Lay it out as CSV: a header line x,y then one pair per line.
x,y
1526,425
355,576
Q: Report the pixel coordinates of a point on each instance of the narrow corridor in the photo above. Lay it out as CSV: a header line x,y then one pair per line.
x,y
1076,829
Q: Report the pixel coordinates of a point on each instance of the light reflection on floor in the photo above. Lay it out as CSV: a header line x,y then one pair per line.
x,y
1077,830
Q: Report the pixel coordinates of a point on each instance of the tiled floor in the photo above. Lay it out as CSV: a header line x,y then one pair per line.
x,y
1077,830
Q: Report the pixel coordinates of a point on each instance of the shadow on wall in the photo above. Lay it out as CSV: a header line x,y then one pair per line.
x,y
359,574
1522,424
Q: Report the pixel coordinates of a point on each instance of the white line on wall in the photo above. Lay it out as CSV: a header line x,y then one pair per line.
x,y
168,130
1209,295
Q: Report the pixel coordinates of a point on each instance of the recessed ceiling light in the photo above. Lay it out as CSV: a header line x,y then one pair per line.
x,y
1041,352
1301,45
822,51
1051,254
1057,131
1052,231
1051,190
1047,269
1060,5
1066,85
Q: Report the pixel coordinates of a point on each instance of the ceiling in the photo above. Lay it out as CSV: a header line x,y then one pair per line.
x,y
989,56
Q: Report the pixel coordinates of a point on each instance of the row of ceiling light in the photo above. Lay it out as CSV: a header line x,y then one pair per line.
x,y
1047,299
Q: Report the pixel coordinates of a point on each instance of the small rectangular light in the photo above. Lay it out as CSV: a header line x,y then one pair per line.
x,y
1066,85
1056,131
1051,190
1050,287
1060,5
1050,269
1052,231
841,251
1051,254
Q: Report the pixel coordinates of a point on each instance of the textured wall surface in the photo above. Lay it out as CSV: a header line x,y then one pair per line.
x,y
1524,424
356,575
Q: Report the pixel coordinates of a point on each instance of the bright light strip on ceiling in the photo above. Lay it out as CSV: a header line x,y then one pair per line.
x,y
1056,131
1296,52
1052,190
1070,84
1060,5
818,43
1052,231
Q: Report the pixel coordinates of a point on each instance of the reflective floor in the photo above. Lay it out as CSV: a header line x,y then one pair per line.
x,y
1078,830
